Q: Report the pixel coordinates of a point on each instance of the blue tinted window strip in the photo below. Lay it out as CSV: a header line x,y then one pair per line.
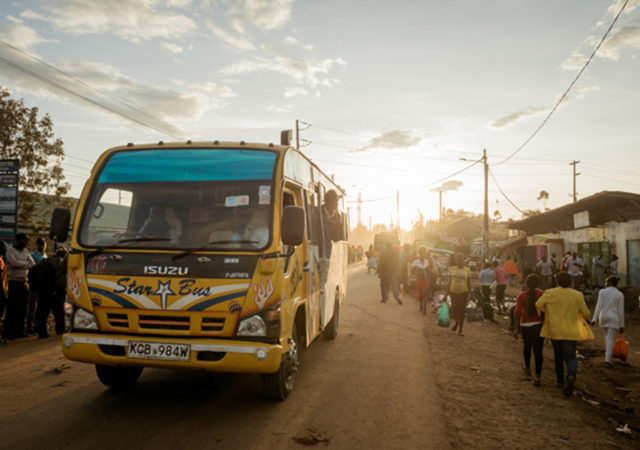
x,y
167,165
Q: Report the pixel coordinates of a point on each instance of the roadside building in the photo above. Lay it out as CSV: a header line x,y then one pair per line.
x,y
606,223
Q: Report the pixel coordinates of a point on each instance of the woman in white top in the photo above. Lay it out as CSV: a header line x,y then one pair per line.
x,y
609,313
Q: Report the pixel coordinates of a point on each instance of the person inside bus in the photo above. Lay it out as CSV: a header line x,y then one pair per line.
x,y
331,217
157,226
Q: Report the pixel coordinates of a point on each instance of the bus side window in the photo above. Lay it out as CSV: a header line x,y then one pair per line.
x,y
287,200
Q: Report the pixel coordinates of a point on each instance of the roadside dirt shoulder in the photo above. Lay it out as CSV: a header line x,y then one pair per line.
x,y
486,404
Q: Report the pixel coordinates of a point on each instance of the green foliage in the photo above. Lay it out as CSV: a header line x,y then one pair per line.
x,y
29,138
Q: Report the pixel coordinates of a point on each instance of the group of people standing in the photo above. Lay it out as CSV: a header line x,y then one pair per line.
x,y
33,286
561,315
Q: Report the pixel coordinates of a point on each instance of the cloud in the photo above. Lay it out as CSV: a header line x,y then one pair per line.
x,y
173,48
531,111
309,70
625,37
263,14
235,38
23,37
133,20
290,40
280,109
451,185
396,139
294,91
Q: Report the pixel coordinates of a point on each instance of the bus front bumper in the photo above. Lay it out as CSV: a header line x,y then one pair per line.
x,y
204,354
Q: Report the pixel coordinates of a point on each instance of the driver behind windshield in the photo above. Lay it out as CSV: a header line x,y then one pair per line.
x,y
156,225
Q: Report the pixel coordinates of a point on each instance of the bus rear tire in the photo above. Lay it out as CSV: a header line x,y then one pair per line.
x,y
331,330
118,377
277,386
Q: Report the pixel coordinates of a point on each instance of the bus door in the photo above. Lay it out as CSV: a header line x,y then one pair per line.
x,y
311,265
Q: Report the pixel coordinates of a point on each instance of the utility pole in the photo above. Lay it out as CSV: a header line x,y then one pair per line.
x,y
297,134
485,219
574,163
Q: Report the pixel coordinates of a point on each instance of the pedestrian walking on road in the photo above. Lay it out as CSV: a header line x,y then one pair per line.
x,y
565,323
528,323
545,270
609,314
372,263
422,269
48,279
388,273
511,269
597,271
500,277
39,254
459,288
613,266
486,280
19,261
575,268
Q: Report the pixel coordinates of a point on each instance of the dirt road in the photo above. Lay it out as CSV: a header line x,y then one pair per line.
x,y
370,388
391,380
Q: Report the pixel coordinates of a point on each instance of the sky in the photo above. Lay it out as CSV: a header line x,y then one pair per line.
x,y
390,95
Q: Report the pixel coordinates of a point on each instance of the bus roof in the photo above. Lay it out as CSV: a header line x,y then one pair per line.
x,y
280,149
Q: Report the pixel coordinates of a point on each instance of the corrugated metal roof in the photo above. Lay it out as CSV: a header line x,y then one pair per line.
x,y
603,207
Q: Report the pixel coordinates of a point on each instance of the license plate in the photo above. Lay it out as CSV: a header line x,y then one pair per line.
x,y
159,350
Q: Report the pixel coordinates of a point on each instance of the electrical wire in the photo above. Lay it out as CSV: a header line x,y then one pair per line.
x,y
493,177
564,95
46,80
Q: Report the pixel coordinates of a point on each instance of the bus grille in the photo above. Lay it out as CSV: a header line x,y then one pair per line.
x,y
148,322
118,320
212,323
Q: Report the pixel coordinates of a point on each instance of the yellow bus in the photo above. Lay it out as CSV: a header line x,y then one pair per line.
x,y
214,256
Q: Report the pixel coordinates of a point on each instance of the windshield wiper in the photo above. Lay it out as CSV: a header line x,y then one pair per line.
x,y
117,244
209,244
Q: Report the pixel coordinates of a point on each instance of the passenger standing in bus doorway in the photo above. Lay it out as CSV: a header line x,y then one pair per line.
x,y
387,271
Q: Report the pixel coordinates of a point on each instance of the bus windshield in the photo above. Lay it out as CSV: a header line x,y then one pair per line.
x,y
186,198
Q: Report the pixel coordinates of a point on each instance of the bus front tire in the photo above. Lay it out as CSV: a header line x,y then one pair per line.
x,y
118,377
331,330
277,386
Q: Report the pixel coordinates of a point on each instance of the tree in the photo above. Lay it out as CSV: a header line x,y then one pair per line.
x,y
25,136
544,196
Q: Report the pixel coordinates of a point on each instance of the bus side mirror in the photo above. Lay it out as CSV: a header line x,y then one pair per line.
x,y
60,220
292,225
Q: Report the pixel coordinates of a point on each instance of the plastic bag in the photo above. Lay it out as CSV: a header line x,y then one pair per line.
x,y
621,349
474,314
443,315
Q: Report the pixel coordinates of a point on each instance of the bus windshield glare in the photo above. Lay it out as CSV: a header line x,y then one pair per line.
x,y
186,198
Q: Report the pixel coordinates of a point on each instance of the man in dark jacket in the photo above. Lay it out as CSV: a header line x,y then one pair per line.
x,y
388,271
48,278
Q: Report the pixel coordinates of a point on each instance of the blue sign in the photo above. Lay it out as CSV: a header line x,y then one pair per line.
x,y
9,169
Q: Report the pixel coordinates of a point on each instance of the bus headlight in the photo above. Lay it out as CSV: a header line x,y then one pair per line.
x,y
252,326
84,320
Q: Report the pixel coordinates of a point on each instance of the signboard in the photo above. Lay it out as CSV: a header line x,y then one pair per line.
x,y
9,199
581,219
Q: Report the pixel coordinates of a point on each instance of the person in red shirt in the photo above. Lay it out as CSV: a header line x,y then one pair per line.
x,y
529,323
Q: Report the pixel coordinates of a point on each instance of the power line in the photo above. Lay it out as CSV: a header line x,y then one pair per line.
x,y
493,177
564,95
49,81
